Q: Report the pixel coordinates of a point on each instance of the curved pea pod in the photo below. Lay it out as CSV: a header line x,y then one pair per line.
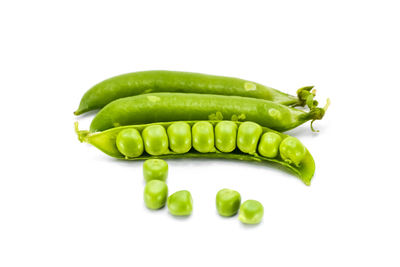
x,y
106,142
143,82
166,107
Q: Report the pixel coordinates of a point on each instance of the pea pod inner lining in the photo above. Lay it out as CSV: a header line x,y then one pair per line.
x,y
106,142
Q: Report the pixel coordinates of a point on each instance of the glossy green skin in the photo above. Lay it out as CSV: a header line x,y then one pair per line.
x,y
180,137
155,140
167,107
155,169
203,137
248,135
155,194
227,202
269,145
130,143
292,150
180,203
106,142
251,212
137,83
225,136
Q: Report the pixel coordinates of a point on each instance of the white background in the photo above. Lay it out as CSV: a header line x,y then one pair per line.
x,y
63,203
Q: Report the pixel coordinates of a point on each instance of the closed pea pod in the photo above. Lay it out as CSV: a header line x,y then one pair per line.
x,y
269,144
203,137
180,137
292,150
248,136
168,107
143,82
155,140
225,136
130,143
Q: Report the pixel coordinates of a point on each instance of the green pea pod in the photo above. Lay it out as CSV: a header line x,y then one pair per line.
x,y
143,82
162,107
106,142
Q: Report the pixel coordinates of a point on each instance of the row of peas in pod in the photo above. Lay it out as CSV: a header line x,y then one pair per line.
x,y
203,137
180,203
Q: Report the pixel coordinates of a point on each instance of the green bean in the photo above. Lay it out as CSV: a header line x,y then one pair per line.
x,y
155,194
180,203
180,137
155,140
269,145
163,107
130,143
155,169
203,137
251,212
292,150
136,83
106,142
247,137
228,202
225,136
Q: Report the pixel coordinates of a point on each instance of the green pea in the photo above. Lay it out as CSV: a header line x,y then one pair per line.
x,y
180,203
180,137
292,150
228,202
203,136
225,136
155,140
155,169
251,212
248,135
130,143
155,194
269,144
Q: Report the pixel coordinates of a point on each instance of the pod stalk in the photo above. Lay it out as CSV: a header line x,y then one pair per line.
x,y
82,134
318,114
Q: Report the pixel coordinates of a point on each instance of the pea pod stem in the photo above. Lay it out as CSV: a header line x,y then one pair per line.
x,y
320,114
143,82
106,142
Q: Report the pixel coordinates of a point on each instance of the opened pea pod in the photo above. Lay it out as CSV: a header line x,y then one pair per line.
x,y
156,81
204,139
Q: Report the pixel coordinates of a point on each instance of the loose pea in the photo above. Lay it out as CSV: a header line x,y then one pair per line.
x,y
203,136
130,143
155,169
292,150
155,140
248,135
251,212
269,144
228,202
225,136
180,137
155,194
180,203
